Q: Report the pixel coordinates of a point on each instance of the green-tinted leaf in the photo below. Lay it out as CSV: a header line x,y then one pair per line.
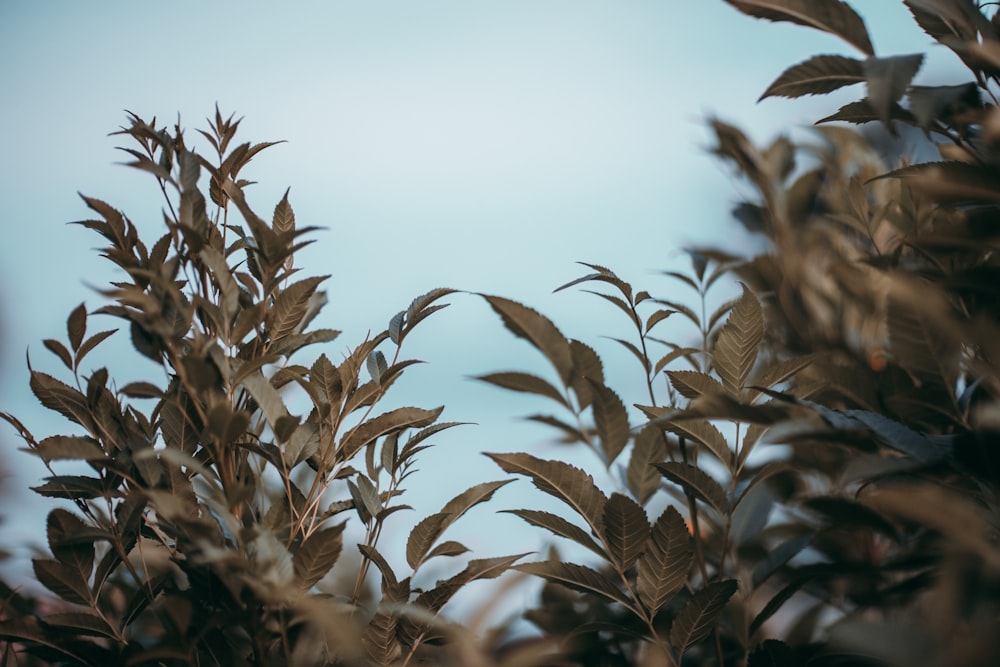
x,y
611,421
566,482
663,567
561,527
538,330
735,349
817,76
524,382
577,577
832,16
626,530
696,620
377,366
320,551
696,481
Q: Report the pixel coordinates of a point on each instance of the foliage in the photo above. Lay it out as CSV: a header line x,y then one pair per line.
x,y
209,514
809,476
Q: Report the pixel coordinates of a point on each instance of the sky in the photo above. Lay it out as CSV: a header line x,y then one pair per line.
x,y
481,145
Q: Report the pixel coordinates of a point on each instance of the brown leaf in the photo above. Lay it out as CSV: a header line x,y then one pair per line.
x,y
832,16
817,76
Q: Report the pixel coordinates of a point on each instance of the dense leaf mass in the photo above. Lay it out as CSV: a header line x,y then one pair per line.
x,y
803,471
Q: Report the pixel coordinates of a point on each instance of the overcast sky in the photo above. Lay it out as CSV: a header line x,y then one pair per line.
x,y
480,145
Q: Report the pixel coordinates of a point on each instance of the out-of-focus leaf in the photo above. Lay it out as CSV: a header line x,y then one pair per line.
x,y
696,481
697,618
642,478
524,382
832,16
888,79
579,578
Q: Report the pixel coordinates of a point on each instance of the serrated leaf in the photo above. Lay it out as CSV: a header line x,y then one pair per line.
x,y
529,324
267,398
657,317
388,576
447,548
396,326
81,623
587,367
664,565
290,308
692,384
394,420
60,398
560,527
696,619
626,530
579,578
318,554
817,76
862,111
735,349
426,532
696,481
283,220
524,382
64,447
673,355
61,580
704,433
566,482
888,79
641,477
611,421
832,16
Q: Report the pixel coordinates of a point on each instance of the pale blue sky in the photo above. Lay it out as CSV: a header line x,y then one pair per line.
x,y
480,145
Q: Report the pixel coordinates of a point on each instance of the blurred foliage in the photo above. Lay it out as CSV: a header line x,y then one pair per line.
x,y
809,477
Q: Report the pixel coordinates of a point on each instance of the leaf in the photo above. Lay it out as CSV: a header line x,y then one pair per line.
x,y
283,220
141,390
673,355
817,76
377,366
388,576
778,556
396,327
577,577
611,421
61,580
888,79
930,104
64,447
735,349
60,398
704,433
696,619
317,554
447,548
290,308
587,367
266,397
951,182
58,349
863,112
566,482
395,420
81,623
538,330
427,531
626,530
664,566
641,477
692,384
832,16
524,382
76,326
696,481
71,487
560,527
